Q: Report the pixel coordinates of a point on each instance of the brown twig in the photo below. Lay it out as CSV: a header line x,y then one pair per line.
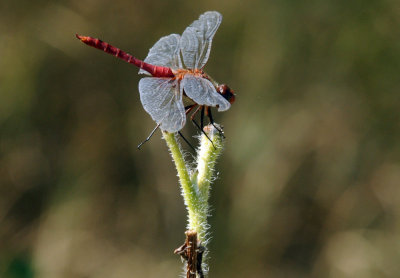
x,y
192,252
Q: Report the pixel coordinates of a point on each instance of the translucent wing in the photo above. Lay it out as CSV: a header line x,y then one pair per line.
x,y
202,91
162,99
197,38
165,53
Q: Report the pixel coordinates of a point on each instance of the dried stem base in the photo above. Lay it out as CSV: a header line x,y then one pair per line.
x,y
192,252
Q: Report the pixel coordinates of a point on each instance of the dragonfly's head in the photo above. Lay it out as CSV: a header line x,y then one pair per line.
x,y
226,92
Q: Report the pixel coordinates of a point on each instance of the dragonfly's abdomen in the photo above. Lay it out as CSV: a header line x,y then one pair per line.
x,y
156,71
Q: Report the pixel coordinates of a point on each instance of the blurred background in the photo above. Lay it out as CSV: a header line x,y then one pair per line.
x,y
309,181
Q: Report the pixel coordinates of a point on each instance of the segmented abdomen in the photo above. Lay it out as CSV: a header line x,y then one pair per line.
x,y
156,71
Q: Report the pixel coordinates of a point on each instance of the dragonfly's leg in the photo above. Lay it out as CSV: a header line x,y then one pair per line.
x,y
209,115
197,125
195,112
193,120
148,138
189,108
187,142
202,117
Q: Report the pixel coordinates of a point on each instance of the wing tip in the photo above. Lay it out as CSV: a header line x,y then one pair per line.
x,y
224,108
213,12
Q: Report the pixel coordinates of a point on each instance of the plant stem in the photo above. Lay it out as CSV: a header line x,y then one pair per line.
x,y
206,159
189,190
195,185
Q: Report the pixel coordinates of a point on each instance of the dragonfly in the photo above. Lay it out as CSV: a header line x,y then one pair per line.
x,y
175,65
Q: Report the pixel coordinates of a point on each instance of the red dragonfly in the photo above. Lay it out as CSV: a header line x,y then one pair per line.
x,y
173,81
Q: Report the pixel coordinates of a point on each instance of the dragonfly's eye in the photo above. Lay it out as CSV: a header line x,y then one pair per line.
x,y
226,92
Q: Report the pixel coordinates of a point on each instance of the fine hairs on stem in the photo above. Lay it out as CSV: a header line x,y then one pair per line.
x,y
195,187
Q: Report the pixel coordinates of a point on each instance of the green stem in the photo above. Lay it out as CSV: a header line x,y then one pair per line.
x,y
195,185
206,160
196,188
189,190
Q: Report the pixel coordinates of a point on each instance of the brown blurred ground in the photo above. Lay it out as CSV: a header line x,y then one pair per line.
x,y
309,182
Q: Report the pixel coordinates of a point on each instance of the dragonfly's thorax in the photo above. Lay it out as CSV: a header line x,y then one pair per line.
x,y
180,73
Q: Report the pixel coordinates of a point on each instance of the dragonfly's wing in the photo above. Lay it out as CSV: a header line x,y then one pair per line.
x,y
165,53
202,91
162,99
197,38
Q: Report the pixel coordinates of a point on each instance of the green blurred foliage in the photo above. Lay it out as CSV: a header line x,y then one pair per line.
x,y
309,179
